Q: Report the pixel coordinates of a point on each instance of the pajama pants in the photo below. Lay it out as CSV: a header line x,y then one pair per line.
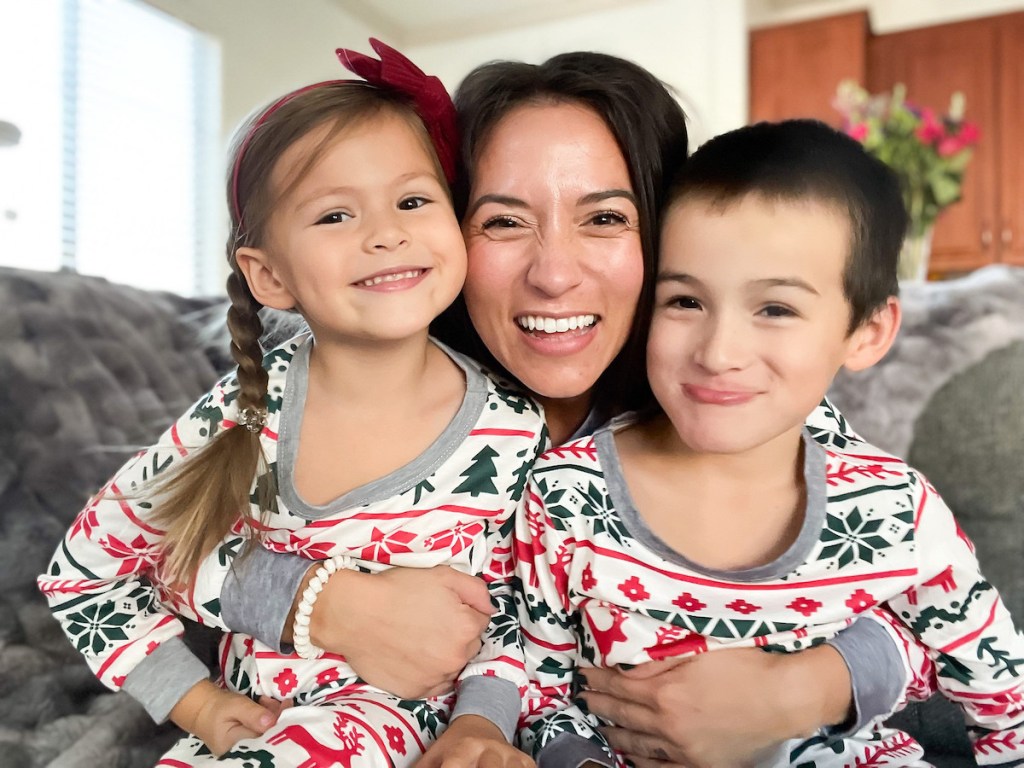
x,y
361,729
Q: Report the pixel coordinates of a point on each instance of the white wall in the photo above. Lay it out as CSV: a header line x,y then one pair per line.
x,y
699,47
885,15
269,47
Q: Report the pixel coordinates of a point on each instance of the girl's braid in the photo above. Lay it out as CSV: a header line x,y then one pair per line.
x,y
246,328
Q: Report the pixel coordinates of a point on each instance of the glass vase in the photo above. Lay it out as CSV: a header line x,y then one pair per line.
x,y
914,256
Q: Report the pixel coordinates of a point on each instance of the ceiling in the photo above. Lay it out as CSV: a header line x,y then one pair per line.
x,y
412,22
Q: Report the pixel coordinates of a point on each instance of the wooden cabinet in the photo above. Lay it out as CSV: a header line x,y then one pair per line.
x,y
1010,159
983,60
795,68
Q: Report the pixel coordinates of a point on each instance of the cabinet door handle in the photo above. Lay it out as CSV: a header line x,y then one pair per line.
x,y
986,238
1007,236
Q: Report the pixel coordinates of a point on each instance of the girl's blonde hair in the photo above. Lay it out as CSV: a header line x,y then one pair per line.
x,y
201,500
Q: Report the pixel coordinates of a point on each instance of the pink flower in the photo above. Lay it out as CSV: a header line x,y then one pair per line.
x,y
858,131
634,589
860,601
689,603
804,605
930,130
969,134
742,606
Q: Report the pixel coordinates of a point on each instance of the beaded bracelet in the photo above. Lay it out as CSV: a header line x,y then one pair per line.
x,y
300,628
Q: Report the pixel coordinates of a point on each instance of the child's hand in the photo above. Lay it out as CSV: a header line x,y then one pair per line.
x,y
472,741
223,718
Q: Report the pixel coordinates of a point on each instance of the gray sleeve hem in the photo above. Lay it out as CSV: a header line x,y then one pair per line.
x,y
876,669
258,594
493,698
160,680
570,750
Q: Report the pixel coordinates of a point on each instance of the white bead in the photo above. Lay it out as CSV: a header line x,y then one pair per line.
x,y
301,620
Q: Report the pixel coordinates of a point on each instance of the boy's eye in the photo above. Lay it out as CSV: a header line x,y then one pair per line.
x,y
777,310
412,203
334,217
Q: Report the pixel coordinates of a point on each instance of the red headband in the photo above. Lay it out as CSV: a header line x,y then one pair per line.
x,y
433,104
392,72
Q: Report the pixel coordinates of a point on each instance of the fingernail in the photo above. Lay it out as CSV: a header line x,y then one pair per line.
x,y
582,678
266,719
582,706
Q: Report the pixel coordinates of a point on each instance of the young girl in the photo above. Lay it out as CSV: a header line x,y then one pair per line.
x,y
360,444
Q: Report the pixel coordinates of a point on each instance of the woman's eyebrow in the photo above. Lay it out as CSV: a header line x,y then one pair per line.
x,y
512,202
606,194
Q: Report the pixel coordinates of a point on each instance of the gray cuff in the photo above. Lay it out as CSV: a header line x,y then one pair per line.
x,y
258,594
160,680
490,697
876,673
570,750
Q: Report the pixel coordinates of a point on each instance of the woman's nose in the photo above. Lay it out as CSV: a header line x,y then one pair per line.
x,y
556,263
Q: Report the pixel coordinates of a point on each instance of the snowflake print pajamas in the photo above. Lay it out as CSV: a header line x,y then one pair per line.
x,y
453,505
600,588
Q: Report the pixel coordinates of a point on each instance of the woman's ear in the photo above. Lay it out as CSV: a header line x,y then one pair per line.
x,y
872,339
263,281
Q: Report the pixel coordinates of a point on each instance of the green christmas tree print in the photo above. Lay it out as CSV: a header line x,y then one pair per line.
x,y
480,474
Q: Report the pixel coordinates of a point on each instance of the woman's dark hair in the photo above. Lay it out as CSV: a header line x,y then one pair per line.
x,y
650,128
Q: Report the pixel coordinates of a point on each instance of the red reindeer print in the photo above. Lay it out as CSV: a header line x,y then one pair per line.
x,y
604,639
944,580
900,746
676,641
320,755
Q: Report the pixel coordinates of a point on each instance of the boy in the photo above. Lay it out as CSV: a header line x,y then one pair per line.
x,y
716,519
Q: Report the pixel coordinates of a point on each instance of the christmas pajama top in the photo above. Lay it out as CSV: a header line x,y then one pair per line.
x,y
599,588
453,505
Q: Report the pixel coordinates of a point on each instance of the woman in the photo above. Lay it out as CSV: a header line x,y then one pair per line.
x,y
564,166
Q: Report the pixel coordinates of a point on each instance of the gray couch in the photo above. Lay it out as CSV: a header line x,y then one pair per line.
x,y
90,370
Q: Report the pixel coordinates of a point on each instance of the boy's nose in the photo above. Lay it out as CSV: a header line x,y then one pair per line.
x,y
723,347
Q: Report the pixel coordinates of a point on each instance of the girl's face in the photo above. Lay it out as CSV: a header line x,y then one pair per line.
x,y
366,245
555,264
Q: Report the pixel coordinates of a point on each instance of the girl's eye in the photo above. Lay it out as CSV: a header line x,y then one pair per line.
x,y
412,203
777,310
683,302
334,217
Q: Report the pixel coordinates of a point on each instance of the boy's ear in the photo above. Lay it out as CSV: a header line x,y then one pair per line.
x,y
263,282
872,339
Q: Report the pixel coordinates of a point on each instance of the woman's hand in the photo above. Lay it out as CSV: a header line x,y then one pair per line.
x,y
409,631
725,708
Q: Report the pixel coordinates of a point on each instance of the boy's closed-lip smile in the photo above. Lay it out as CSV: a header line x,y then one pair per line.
x,y
718,396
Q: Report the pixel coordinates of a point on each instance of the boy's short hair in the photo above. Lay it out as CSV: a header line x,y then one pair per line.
x,y
806,160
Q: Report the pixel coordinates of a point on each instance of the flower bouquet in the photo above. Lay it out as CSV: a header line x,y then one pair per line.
x,y
928,151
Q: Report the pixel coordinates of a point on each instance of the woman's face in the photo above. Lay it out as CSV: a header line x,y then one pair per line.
x,y
555,264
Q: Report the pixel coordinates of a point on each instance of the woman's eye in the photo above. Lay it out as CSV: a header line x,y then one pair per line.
x,y
334,217
412,203
501,222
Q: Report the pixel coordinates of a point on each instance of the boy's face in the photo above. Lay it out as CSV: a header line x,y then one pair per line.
x,y
750,320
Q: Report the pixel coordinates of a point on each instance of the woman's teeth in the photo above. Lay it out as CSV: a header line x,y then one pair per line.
x,y
555,324
391,278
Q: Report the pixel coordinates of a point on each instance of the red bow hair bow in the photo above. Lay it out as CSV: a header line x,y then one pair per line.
x,y
433,104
